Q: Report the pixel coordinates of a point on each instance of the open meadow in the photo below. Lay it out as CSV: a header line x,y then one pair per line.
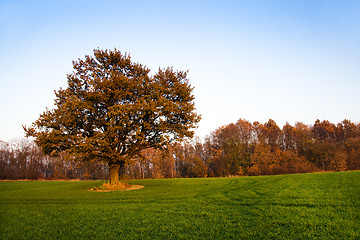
x,y
301,206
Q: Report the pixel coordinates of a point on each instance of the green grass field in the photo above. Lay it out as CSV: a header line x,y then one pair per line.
x,y
303,206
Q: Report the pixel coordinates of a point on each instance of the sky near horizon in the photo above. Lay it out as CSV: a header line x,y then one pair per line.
x,y
291,61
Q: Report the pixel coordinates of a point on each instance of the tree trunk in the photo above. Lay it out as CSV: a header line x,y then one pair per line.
x,y
114,173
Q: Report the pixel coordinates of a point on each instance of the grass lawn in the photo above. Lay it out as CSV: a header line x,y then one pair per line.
x,y
303,206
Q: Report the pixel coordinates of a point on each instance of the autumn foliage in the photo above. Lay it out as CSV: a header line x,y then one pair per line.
x,y
114,108
245,148
237,149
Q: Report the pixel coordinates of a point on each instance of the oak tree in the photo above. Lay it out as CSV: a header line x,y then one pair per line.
x,y
113,108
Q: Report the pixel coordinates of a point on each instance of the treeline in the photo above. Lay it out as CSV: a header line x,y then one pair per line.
x,y
22,159
238,149
245,148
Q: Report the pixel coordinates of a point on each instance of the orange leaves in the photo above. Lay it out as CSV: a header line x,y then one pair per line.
x,y
258,149
112,109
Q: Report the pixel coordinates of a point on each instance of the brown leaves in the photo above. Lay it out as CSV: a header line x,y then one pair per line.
x,y
112,109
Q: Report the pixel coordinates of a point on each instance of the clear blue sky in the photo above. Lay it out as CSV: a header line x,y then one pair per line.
x,y
289,60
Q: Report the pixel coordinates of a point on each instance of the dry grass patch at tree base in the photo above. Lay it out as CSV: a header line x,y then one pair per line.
x,y
107,187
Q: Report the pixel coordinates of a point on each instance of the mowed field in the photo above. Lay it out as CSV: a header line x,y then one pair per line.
x,y
302,206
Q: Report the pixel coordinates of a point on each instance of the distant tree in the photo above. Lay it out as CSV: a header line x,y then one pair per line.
x,y
288,141
323,131
345,130
5,161
113,108
303,139
353,150
272,134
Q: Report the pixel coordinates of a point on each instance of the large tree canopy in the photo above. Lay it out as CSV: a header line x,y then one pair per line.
x,y
113,108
